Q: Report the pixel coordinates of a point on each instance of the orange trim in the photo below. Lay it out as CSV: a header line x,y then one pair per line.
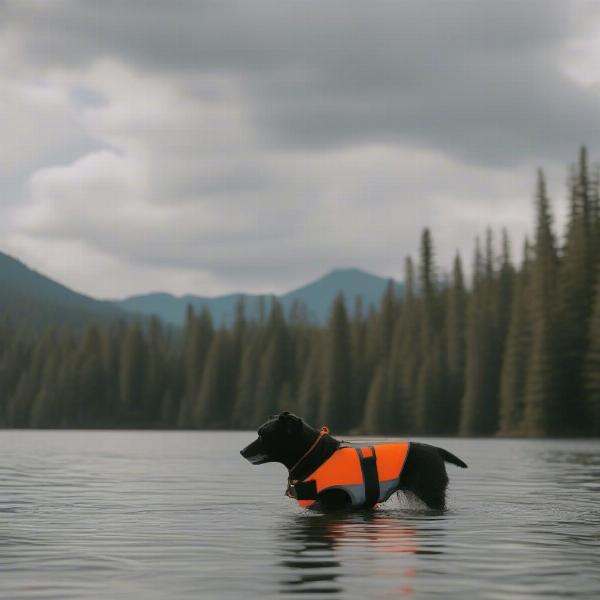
x,y
366,452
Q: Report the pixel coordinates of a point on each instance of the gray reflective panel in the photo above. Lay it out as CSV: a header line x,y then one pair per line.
x,y
356,492
387,488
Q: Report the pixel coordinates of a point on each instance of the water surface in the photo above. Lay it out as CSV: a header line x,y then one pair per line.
x,y
174,515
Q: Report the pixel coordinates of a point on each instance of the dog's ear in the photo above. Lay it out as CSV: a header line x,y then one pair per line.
x,y
292,423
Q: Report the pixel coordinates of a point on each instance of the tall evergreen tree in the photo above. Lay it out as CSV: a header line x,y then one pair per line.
x,y
155,381
337,392
243,411
377,407
44,412
455,346
429,395
516,355
198,337
359,358
387,319
432,408
132,373
480,405
592,372
408,339
403,411
275,365
213,408
90,380
310,393
576,293
542,384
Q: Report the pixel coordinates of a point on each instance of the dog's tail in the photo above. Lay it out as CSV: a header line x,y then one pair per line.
x,y
449,457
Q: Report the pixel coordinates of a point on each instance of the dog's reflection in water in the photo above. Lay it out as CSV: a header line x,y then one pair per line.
x,y
311,547
308,549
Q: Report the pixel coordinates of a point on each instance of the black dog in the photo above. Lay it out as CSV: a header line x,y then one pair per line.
x,y
330,474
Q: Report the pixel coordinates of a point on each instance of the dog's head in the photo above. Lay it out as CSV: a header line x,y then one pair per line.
x,y
280,439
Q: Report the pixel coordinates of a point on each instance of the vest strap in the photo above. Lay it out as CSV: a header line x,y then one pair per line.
x,y
303,490
368,465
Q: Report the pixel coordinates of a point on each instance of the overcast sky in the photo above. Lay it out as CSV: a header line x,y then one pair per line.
x,y
211,147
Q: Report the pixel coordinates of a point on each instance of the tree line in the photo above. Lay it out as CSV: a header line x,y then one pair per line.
x,y
514,351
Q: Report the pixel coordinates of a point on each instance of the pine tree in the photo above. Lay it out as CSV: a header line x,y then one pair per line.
x,y
427,269
403,409
155,381
542,385
429,395
109,352
275,365
455,346
310,394
387,319
516,355
132,373
359,359
428,289
504,292
576,294
432,409
16,353
19,405
44,412
91,378
592,372
198,338
337,392
408,340
377,407
243,411
480,405
595,217
213,408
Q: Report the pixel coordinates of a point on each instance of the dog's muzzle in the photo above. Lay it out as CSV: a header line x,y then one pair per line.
x,y
255,453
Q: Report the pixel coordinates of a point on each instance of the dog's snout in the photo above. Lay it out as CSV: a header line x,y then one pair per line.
x,y
255,453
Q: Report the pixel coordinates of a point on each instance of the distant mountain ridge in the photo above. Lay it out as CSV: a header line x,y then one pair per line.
x,y
316,296
29,297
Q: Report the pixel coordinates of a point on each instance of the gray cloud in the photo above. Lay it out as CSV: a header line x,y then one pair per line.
x,y
478,80
218,146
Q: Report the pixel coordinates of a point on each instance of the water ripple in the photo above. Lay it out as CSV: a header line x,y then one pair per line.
x,y
179,515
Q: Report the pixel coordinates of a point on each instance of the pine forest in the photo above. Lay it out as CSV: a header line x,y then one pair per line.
x,y
511,350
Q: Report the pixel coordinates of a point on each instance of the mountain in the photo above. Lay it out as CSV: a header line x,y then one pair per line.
x,y
29,297
319,295
316,296
32,298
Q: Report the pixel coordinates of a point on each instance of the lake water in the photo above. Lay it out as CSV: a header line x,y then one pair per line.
x,y
144,515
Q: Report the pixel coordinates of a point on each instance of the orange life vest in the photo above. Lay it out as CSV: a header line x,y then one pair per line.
x,y
368,474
